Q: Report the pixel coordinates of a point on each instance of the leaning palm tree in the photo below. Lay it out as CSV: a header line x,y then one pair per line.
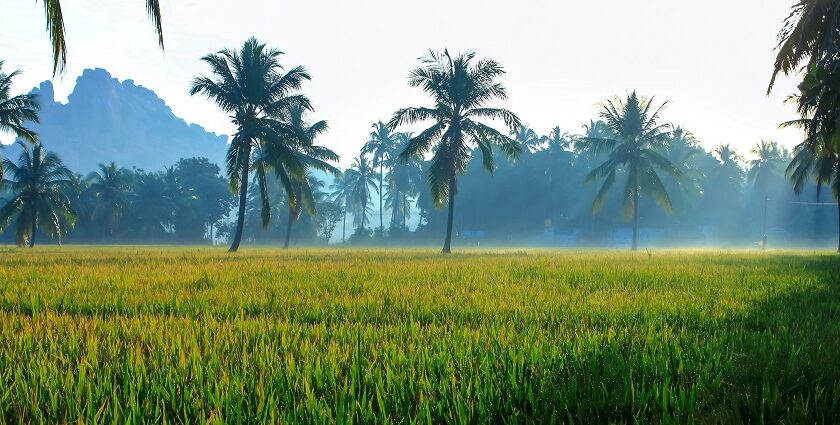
x,y
111,189
460,89
341,194
55,29
381,147
252,87
37,182
15,111
362,179
637,133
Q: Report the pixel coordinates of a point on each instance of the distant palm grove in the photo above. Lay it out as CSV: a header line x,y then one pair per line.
x,y
460,168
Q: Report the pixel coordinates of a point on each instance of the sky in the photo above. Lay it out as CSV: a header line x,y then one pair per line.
x,y
711,60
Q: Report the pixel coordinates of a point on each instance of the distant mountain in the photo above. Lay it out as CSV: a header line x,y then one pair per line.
x,y
107,120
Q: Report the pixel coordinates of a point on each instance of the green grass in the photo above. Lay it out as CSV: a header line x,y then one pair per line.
x,y
192,335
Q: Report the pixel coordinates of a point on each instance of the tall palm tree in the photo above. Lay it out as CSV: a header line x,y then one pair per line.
x,y
37,182
287,156
762,170
252,87
681,149
362,179
154,207
111,188
341,194
637,133
55,29
403,181
381,147
767,164
460,89
15,111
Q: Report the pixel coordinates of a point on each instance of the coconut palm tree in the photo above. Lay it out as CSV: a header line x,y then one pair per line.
x,y
681,149
727,155
767,164
461,87
286,156
527,138
341,194
252,87
557,139
153,209
37,182
15,111
637,133
809,35
403,181
111,188
381,146
55,29
362,178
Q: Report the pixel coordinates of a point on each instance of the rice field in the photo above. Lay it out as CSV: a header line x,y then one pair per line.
x,y
196,335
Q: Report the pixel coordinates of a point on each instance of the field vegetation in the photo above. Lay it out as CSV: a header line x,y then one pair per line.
x,y
190,335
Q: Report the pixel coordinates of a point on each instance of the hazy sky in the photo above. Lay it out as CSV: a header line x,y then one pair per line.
x,y
711,59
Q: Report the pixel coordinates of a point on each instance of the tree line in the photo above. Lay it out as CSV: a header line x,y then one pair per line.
x,y
274,151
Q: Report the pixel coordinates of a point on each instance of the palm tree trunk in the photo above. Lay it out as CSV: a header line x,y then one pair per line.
x,y
447,243
344,224
405,211
243,198
381,221
288,230
34,229
635,218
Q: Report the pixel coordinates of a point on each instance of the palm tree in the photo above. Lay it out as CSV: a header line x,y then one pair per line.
x,y
15,111
37,183
637,132
403,180
681,149
361,176
557,139
154,207
809,34
823,167
460,88
55,29
762,170
341,194
252,88
290,160
111,187
527,138
767,164
382,146
728,156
